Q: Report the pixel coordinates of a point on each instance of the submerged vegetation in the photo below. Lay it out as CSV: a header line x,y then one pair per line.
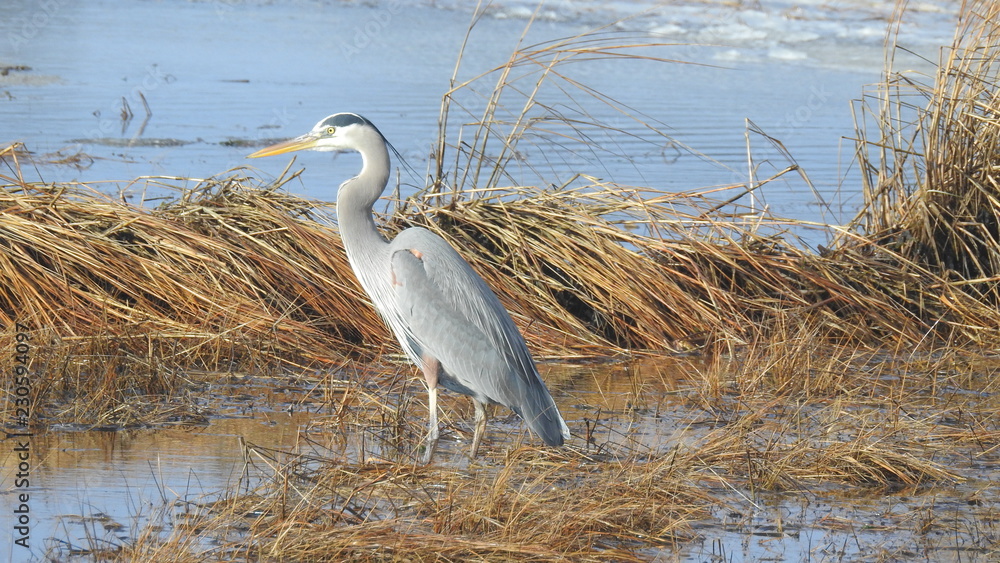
x,y
866,364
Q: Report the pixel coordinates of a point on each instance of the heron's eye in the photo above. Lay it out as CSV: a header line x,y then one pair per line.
x,y
331,130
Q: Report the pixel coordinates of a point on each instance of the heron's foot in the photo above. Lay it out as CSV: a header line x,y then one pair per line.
x,y
431,445
480,428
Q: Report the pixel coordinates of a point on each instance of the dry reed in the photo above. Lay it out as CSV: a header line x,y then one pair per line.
x,y
225,272
927,148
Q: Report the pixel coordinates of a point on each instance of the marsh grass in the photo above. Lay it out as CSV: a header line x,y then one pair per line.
x,y
203,272
927,147
860,366
619,501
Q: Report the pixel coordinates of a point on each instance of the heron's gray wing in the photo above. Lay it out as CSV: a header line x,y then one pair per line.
x,y
472,363
456,317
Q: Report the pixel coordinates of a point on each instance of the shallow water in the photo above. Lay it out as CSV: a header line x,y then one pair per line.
x,y
106,485
221,77
101,488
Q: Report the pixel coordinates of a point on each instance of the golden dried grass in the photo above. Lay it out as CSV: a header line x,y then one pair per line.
x,y
928,150
317,508
225,272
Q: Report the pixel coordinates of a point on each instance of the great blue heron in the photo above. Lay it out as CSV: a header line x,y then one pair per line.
x,y
446,318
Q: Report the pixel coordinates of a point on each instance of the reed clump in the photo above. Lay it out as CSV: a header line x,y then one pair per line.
x,y
223,275
587,282
315,507
927,148
233,272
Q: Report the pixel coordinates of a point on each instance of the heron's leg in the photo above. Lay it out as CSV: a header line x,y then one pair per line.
x,y
430,368
477,435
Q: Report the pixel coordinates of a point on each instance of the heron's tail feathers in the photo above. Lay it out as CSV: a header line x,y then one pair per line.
x,y
540,412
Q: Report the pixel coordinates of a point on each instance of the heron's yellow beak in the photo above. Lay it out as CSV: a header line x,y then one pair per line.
x,y
296,144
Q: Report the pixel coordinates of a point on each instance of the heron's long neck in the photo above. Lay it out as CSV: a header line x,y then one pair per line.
x,y
366,248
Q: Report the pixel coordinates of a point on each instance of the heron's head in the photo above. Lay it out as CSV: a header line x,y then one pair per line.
x,y
340,131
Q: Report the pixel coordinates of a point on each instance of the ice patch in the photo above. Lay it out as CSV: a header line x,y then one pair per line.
x,y
817,32
730,55
799,36
927,7
783,54
864,32
668,29
735,32
526,13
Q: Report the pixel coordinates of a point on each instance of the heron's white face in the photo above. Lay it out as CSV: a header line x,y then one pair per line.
x,y
326,137
337,132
